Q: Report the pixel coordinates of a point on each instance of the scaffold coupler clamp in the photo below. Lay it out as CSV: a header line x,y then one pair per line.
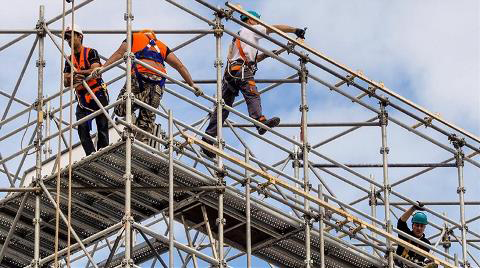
x,y
308,220
35,263
218,26
127,16
129,219
372,201
40,27
227,13
127,263
446,239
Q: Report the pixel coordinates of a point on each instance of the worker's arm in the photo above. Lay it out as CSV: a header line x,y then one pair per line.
x,y
89,71
117,54
407,214
175,62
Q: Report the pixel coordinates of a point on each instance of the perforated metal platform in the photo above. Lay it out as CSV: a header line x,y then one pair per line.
x,y
276,236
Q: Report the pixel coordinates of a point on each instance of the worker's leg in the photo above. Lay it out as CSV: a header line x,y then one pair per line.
x,y
102,122
229,92
252,98
146,118
84,131
120,109
254,104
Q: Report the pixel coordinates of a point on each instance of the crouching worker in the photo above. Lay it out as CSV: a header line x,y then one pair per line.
x,y
148,85
419,223
85,60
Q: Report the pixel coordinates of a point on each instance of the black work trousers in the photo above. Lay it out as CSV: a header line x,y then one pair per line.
x,y
101,121
232,84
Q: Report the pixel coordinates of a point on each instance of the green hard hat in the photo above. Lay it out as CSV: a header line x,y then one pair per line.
x,y
420,218
251,12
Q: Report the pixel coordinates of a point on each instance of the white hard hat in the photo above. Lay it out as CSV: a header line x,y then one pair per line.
x,y
76,29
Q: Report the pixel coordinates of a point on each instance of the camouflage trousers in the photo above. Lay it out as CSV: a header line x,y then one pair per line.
x,y
151,95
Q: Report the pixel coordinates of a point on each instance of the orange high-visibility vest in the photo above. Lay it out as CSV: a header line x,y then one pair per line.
x,y
94,84
150,50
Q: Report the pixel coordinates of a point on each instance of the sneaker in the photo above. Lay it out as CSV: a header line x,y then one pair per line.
x,y
272,122
208,153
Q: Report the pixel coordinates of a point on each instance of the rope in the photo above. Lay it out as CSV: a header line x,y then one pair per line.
x,y
70,129
59,151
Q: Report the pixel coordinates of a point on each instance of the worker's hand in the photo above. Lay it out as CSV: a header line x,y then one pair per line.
x,y
78,78
198,92
300,33
96,72
419,206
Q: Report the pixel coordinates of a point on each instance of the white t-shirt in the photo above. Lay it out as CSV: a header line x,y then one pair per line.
x,y
250,52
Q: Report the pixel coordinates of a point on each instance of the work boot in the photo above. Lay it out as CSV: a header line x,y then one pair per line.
x,y
208,153
272,122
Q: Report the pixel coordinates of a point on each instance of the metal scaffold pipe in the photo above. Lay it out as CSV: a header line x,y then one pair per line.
x,y
128,218
218,29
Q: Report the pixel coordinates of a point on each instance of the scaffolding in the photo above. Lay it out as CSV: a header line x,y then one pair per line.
x,y
166,204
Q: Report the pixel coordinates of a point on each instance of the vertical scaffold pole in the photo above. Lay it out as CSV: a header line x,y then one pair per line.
x,y
38,141
459,156
373,204
304,109
247,211
321,227
170,189
218,32
128,219
383,118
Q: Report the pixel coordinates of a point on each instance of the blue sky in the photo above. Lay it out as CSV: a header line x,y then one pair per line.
x,y
427,51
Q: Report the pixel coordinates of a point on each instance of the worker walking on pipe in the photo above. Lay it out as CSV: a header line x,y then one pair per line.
x,y
85,60
419,223
239,75
148,85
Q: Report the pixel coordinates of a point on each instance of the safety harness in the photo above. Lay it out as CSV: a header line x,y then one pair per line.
x,y
96,85
151,52
237,65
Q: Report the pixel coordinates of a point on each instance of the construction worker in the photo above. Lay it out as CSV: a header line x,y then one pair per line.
x,y
239,74
419,222
85,60
147,85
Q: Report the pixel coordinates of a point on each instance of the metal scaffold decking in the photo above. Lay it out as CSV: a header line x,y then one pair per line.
x,y
275,200
276,237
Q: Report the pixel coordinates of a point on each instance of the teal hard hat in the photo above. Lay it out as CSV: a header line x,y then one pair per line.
x,y
420,218
251,12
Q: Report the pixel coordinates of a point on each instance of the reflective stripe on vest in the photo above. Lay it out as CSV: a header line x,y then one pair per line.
x,y
83,64
149,50
94,84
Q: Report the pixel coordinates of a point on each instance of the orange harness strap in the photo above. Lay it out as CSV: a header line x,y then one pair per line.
x,y
240,50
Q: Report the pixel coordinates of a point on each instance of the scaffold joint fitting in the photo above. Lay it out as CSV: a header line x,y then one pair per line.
x,y
127,263
384,150
39,63
371,91
219,221
126,219
35,221
218,63
456,141
218,30
127,177
383,117
35,263
220,175
461,190
127,16
226,13
301,108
